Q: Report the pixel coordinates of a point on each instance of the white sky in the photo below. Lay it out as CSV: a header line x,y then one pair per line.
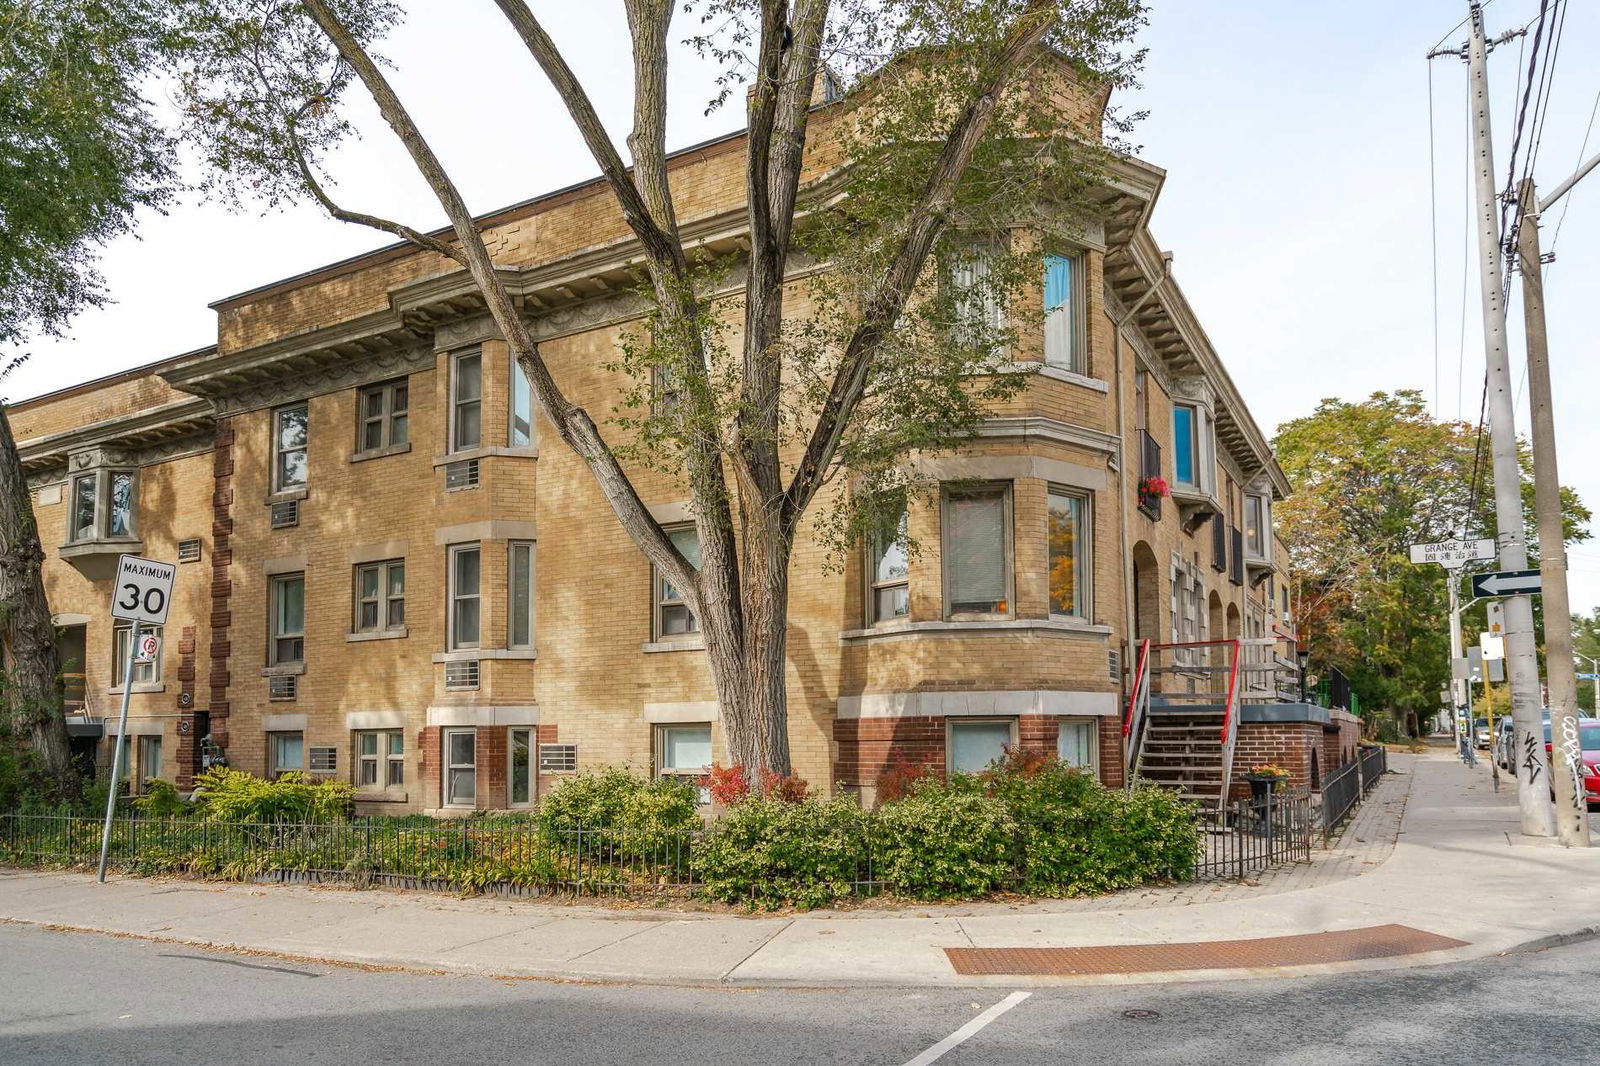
x,y
1295,136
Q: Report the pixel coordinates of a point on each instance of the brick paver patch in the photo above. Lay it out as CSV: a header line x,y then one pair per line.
x,y
1346,945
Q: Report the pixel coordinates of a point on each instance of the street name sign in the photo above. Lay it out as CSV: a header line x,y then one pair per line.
x,y
1507,583
1453,553
143,592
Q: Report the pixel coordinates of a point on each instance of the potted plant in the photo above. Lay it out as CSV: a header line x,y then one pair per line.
x,y
1265,779
1153,488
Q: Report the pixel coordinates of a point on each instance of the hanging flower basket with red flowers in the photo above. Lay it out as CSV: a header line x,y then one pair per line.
x,y
1154,488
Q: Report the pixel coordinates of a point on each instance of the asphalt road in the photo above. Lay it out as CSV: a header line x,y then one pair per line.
x,y
84,998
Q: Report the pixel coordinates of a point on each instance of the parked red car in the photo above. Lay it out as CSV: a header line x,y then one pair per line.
x,y
1589,738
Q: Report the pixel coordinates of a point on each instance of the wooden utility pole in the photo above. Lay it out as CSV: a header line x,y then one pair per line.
x,y
1566,756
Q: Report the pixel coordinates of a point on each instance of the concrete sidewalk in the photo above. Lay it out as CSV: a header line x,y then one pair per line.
x,y
1458,870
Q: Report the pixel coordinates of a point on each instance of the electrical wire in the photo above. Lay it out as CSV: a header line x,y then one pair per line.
x,y
1582,155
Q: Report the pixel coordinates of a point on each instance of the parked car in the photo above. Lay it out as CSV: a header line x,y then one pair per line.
x,y
1589,740
1480,732
1502,741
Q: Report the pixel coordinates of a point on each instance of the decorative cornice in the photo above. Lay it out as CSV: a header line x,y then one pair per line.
x,y
1039,428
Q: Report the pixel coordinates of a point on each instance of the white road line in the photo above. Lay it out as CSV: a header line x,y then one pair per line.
x,y
968,1031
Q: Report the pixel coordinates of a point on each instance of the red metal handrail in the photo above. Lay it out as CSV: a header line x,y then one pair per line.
x,y
1138,681
1233,687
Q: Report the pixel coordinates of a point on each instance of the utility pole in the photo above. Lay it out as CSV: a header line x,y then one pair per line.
x,y
1522,660
1571,806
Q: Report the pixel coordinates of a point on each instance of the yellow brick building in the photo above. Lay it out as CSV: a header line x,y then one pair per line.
x,y
391,574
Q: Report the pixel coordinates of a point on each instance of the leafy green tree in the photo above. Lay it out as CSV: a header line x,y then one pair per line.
x,y
958,127
1371,479
1586,642
81,151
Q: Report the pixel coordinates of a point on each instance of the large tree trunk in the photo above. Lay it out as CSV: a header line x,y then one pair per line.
x,y
25,625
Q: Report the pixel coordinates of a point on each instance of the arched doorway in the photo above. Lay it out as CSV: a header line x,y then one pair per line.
x,y
1146,622
1233,621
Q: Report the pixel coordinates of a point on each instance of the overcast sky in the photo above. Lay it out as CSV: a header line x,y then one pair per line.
x,y
1297,203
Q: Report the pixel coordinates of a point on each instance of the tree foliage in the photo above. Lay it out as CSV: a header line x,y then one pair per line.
x,y
1372,478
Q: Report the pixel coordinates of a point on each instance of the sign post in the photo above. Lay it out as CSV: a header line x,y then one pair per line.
x,y
142,595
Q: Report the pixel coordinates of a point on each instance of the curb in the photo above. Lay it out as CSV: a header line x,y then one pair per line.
x,y
1554,940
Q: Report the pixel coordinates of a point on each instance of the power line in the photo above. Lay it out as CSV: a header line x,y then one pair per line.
x,y
1582,155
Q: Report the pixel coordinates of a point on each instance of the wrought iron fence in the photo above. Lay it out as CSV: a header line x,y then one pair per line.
x,y
1341,791
1374,764
1251,835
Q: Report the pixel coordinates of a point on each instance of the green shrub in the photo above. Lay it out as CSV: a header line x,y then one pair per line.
x,y
945,843
621,814
655,819
769,853
225,795
161,799
590,800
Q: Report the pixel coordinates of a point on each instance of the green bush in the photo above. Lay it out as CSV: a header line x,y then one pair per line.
x,y
161,799
621,814
769,853
593,799
225,795
945,843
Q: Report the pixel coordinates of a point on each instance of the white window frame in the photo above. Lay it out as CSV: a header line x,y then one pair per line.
x,y
950,492
1083,564
1076,334
278,451
688,773
457,403
383,759
274,741
532,749
1256,550
143,673
877,545
389,415
385,601
454,595
451,768
954,723
512,549
142,745
102,507
1093,724
513,377
964,271
659,600
275,586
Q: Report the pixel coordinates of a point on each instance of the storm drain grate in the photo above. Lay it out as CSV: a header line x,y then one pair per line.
x,y
1345,945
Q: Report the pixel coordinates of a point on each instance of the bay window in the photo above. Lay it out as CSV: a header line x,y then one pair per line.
x,y
1185,444
1063,346
519,774
466,401
287,643
674,620
290,427
1070,573
521,434
460,768
519,597
887,570
465,596
101,506
1255,526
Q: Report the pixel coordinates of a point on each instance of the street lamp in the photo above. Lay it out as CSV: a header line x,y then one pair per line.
x,y
1304,655
1594,666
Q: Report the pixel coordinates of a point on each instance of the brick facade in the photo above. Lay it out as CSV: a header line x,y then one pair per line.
x,y
597,675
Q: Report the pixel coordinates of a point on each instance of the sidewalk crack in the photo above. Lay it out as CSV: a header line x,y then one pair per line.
x,y
752,952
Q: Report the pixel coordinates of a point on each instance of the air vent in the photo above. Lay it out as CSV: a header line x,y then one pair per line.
x,y
281,688
1114,658
322,760
189,551
285,514
461,674
558,758
462,475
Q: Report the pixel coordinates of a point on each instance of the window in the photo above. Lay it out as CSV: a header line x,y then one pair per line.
x,y
521,407
466,402
683,750
887,567
1070,573
666,397
102,506
1078,743
1255,528
143,673
1141,404
149,764
381,759
384,415
519,776
288,639
460,768
519,573
674,620
974,745
977,550
976,309
380,596
289,427
1185,444
465,596
285,752
1062,347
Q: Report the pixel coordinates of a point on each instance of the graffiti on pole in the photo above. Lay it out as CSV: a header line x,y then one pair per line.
x,y
1572,753
1530,757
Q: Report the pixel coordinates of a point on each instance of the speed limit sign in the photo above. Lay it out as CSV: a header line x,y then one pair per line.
x,y
143,591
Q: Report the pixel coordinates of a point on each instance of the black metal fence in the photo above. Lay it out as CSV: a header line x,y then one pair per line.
x,y
1250,835
1341,791
1374,764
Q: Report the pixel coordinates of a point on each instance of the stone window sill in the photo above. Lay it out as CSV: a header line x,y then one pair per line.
x,y
527,451
1056,373
284,670
101,546
653,646
468,654
379,796
1065,626
380,634
379,453
139,687
286,495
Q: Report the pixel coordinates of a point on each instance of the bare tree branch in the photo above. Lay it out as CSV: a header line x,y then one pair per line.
x,y
573,423
928,218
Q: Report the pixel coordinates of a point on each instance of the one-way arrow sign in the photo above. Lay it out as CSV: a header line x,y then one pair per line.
x,y
1507,583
